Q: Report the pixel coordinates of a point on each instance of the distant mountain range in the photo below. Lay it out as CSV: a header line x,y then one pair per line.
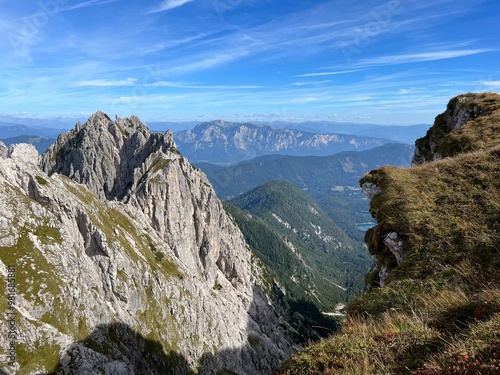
x,y
405,134
8,130
224,142
41,143
229,142
11,126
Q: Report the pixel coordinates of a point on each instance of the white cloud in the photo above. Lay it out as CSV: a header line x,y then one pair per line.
x,y
305,100
87,4
328,73
419,57
107,83
492,84
197,86
168,5
310,83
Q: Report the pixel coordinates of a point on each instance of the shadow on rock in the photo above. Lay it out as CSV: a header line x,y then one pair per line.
x,y
117,349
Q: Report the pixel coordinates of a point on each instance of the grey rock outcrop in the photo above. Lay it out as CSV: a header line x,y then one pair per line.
x,y
394,242
3,150
117,239
370,189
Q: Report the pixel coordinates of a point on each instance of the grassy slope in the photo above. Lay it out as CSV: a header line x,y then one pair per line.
x,y
439,312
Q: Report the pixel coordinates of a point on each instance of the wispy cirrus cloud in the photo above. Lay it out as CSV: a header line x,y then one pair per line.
x,y
107,83
310,83
86,4
181,85
419,57
59,9
198,86
319,74
168,5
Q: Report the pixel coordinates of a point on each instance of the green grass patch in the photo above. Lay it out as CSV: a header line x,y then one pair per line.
x,y
47,357
41,180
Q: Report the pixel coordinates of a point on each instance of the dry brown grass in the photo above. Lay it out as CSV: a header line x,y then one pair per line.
x,y
439,312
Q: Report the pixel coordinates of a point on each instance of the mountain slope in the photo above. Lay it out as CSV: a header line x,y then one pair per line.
x,y
330,263
294,286
434,300
331,180
228,142
125,261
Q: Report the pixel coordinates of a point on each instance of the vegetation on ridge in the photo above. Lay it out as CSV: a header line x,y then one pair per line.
x,y
439,311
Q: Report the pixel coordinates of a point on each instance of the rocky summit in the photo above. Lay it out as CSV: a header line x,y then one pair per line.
x,y
126,262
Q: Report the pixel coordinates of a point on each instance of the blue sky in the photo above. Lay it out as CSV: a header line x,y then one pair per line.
x,y
386,62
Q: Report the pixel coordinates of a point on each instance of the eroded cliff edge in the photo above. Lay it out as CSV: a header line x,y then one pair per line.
x,y
432,305
446,202
126,261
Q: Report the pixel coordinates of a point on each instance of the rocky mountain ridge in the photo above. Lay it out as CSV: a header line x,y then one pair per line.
x,y
229,142
447,136
119,242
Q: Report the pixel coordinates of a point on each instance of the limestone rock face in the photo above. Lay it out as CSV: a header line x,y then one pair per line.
x,y
126,262
3,150
105,155
395,244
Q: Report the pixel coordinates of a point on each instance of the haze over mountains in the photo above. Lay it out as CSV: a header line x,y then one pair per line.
x,y
228,142
234,142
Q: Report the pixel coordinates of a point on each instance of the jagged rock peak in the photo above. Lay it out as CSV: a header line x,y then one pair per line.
x,y
3,150
105,155
165,260
163,284
469,110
